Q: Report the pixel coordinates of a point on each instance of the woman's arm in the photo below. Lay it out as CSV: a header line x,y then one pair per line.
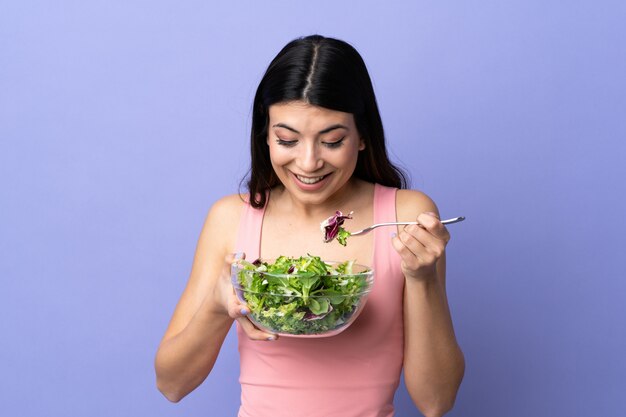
x,y
433,361
206,309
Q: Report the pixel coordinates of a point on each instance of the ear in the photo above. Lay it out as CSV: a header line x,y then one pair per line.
x,y
361,144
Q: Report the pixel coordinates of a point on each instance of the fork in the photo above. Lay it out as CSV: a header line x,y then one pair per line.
x,y
374,226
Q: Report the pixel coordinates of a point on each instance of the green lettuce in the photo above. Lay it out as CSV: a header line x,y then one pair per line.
x,y
302,295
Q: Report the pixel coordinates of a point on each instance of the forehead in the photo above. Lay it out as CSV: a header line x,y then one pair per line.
x,y
302,115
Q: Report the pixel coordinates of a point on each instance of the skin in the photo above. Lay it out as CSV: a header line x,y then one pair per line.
x,y
313,142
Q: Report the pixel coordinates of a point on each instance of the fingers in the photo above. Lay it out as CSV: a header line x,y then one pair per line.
x,y
420,246
415,255
238,310
429,235
252,332
430,221
232,257
420,240
409,259
229,260
236,307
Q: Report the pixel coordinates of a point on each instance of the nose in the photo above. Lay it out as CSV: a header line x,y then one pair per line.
x,y
310,159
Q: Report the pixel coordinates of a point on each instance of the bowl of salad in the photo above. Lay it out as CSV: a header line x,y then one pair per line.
x,y
302,297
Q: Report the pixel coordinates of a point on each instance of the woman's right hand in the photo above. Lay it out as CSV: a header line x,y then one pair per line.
x,y
237,309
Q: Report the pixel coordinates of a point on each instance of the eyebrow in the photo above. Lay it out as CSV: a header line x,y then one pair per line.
x,y
321,132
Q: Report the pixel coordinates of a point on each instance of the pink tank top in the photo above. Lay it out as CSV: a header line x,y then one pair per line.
x,y
354,373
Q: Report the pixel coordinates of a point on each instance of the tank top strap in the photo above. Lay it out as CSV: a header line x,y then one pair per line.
x,y
385,211
249,233
384,204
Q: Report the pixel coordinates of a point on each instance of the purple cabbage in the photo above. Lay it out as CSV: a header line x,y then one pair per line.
x,y
332,225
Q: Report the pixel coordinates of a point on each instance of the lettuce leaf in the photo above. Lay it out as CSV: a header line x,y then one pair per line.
x,y
302,295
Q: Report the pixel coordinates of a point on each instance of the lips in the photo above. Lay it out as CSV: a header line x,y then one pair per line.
x,y
310,180
311,184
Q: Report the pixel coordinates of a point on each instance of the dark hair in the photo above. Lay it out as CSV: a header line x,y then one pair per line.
x,y
329,73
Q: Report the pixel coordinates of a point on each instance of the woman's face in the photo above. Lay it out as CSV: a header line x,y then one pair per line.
x,y
313,150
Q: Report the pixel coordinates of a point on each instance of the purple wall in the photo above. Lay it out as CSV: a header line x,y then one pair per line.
x,y
121,124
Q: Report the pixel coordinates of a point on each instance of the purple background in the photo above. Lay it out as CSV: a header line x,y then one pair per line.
x,y
120,124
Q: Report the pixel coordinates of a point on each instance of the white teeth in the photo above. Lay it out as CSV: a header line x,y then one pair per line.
x,y
308,180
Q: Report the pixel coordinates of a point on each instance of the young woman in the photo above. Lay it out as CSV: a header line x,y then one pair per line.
x,y
317,146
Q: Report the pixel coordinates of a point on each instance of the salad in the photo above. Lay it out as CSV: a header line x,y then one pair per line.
x,y
332,228
301,296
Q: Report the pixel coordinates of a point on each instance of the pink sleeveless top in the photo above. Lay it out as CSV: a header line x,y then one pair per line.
x,y
354,373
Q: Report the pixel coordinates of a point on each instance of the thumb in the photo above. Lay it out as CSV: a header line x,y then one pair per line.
x,y
232,257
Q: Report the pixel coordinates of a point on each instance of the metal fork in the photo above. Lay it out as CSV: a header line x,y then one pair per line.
x,y
374,226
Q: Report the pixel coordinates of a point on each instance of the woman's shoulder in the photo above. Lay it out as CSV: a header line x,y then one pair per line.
x,y
221,225
223,217
410,203
228,207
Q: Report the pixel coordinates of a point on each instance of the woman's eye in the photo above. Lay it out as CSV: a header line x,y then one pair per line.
x,y
334,144
288,143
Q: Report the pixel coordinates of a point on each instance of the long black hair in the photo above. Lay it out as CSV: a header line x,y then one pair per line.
x,y
328,73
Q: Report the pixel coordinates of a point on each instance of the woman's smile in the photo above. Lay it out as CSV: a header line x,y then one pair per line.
x,y
307,183
310,180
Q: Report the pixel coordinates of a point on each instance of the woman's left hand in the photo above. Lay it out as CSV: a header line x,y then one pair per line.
x,y
421,246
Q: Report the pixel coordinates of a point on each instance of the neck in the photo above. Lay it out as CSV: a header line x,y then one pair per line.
x,y
343,200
